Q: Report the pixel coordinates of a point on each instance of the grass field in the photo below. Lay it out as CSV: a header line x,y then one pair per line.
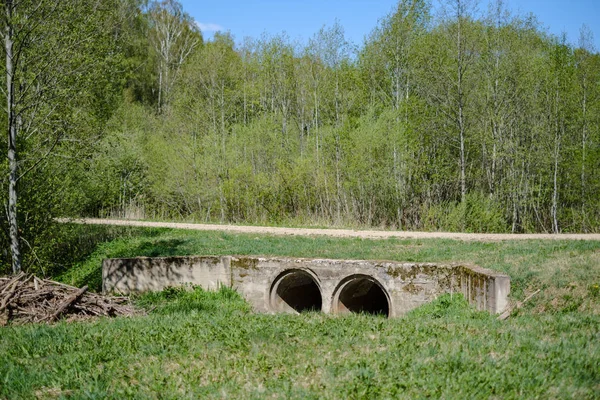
x,y
195,344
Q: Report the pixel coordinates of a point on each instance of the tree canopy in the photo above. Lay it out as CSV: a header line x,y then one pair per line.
x,y
466,121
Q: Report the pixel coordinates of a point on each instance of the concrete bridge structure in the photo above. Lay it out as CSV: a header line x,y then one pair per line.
x,y
292,285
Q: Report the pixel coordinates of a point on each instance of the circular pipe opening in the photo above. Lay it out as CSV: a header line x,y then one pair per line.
x,y
295,292
361,294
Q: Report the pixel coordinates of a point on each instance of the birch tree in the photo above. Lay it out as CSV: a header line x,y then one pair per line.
x,y
446,70
464,53
53,50
583,58
174,36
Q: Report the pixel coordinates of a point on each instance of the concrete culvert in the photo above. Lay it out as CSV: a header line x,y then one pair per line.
x,y
361,294
296,291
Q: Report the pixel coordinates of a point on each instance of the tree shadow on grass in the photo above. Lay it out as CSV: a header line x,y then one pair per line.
x,y
147,248
158,248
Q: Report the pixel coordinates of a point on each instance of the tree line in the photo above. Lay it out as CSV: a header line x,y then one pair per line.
x,y
460,120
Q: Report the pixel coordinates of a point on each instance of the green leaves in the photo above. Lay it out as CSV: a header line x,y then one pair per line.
x,y
395,135
64,67
483,124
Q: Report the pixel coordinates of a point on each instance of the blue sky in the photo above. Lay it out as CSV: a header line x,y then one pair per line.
x,y
301,19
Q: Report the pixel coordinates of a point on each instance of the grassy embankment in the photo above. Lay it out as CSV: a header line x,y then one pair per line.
x,y
198,344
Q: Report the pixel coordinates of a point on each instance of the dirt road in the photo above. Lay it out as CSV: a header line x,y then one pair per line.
x,y
343,233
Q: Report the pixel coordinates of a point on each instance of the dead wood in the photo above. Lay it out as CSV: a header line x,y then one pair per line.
x,y
27,298
65,304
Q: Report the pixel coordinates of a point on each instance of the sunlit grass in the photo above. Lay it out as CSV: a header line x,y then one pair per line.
x,y
197,344
559,268
209,345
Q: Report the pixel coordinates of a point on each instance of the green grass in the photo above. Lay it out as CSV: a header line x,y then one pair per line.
x,y
197,344
208,345
566,271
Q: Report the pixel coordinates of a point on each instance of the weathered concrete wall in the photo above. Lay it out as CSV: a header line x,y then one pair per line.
x,y
126,275
333,286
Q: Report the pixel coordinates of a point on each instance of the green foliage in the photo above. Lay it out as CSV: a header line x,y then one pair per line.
x,y
448,306
270,132
68,63
479,213
116,174
192,299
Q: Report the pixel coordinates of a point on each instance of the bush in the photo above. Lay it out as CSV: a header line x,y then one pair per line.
x,y
479,213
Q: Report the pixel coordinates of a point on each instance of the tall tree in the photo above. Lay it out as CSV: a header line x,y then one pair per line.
x,y
332,50
174,35
392,48
584,59
464,53
560,111
53,52
446,77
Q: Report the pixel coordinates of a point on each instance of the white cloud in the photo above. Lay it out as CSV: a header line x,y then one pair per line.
x,y
209,27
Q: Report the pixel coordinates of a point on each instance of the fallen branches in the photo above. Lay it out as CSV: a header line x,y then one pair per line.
x,y
26,299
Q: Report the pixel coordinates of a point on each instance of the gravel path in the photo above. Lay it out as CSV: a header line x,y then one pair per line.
x,y
344,233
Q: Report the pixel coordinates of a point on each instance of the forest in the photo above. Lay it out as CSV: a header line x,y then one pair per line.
x,y
464,120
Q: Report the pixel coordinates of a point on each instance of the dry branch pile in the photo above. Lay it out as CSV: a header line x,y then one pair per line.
x,y
26,298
